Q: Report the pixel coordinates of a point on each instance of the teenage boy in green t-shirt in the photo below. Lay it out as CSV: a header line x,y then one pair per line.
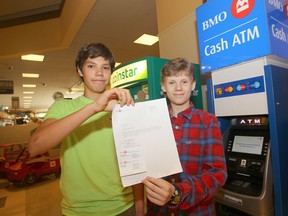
x,y
90,180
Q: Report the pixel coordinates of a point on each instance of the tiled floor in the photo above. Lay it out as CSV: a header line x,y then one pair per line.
x,y
41,199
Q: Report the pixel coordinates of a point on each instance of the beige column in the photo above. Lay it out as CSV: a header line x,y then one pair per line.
x,y
177,29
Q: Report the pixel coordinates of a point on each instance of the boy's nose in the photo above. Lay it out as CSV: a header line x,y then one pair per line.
x,y
99,71
178,86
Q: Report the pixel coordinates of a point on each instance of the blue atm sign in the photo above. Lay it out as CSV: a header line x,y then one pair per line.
x,y
277,14
234,31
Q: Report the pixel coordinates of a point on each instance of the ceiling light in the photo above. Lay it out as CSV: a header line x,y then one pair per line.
x,y
27,97
27,101
30,75
29,85
32,57
117,64
28,92
146,39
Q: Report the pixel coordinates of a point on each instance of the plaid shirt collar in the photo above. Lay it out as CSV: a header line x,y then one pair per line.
x,y
187,113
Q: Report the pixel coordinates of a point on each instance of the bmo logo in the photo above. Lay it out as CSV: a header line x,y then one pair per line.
x,y
241,8
221,17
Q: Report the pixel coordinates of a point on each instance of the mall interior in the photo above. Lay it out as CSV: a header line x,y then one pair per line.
x,y
239,52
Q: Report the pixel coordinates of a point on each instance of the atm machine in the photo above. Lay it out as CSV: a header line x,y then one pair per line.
x,y
250,102
249,186
243,44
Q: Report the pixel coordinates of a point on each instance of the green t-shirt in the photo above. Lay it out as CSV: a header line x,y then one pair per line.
x,y
90,178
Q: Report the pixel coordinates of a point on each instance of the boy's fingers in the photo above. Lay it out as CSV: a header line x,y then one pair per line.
x,y
124,97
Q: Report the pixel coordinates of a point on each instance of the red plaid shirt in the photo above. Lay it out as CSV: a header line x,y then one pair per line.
x,y
201,151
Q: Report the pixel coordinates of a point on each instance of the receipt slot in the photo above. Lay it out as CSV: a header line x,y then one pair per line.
x,y
249,188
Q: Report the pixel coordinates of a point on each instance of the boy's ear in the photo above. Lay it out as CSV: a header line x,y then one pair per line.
x,y
79,72
193,85
163,88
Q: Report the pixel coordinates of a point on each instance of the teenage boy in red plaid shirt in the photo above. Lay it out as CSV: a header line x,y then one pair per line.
x,y
200,149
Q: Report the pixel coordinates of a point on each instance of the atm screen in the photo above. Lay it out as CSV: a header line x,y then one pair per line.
x,y
248,144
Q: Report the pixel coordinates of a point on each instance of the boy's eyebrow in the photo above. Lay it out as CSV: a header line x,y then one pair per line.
x,y
91,62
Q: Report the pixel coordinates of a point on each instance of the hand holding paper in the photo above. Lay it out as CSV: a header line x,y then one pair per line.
x,y
144,140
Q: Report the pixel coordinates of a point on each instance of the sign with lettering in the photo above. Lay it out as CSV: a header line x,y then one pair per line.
x,y
235,31
6,87
277,16
252,120
131,72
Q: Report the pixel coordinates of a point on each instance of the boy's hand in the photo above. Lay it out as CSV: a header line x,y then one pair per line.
x,y
111,97
158,191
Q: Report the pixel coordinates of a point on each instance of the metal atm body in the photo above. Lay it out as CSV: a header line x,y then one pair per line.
x,y
229,100
249,186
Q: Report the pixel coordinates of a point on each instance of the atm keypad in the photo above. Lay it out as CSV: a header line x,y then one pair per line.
x,y
246,184
240,183
237,183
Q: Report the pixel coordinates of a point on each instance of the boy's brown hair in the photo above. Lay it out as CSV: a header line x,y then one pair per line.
x,y
176,65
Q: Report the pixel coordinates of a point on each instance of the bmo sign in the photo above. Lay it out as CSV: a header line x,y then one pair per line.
x,y
214,20
233,31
